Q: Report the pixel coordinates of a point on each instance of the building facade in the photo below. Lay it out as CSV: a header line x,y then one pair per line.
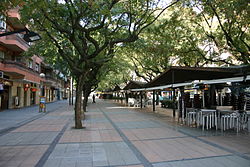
x,y
20,81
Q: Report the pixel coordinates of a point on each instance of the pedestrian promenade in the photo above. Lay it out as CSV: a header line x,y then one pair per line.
x,y
16,117
117,136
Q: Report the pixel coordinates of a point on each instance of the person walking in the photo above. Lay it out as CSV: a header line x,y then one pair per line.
x,y
93,98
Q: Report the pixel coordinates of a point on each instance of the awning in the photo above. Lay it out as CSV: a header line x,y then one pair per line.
x,y
182,84
134,85
225,80
163,87
137,90
176,74
159,87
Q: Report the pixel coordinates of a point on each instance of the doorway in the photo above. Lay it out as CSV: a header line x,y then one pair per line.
x,y
5,98
25,98
32,97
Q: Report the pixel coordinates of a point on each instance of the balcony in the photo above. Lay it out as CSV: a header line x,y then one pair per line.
x,y
14,42
50,80
53,81
14,13
14,19
19,71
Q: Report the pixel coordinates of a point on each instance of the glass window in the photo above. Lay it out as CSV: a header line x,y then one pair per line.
x,y
30,64
1,55
37,67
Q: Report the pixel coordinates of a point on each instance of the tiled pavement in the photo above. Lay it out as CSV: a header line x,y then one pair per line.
x,y
9,118
118,136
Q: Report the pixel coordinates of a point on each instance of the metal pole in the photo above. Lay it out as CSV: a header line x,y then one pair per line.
x,y
126,96
141,98
72,91
174,98
157,98
203,99
153,100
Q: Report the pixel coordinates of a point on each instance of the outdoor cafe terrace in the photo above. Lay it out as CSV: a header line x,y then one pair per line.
x,y
205,97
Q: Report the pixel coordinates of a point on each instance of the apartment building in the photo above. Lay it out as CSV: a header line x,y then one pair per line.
x,y
21,82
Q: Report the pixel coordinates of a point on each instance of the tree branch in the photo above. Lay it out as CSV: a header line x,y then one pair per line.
x,y
145,26
229,39
60,50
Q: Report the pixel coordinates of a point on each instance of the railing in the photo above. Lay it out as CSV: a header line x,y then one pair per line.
x,y
49,77
20,65
18,37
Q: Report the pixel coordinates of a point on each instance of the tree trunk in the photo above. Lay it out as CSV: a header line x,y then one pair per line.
x,y
85,101
72,90
70,94
78,103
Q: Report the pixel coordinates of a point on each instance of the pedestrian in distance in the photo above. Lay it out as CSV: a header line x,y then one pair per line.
x,y
93,98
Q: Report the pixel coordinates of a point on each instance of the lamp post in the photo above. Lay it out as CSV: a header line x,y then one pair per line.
x,y
42,75
42,107
29,36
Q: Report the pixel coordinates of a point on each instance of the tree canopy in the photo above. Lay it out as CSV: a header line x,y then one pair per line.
x,y
204,33
92,29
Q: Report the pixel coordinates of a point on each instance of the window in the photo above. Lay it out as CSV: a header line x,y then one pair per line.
x,y
2,23
18,59
37,67
1,55
30,64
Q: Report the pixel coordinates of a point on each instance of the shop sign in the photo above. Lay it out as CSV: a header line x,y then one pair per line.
x,y
33,89
26,87
42,99
42,105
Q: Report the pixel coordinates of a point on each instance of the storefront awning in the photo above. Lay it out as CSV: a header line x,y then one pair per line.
x,y
225,80
137,90
182,84
159,87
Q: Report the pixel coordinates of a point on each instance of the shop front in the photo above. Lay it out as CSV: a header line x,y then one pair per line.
x,y
33,94
5,86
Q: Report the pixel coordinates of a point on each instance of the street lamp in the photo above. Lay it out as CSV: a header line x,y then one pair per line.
x,y
42,105
30,36
42,75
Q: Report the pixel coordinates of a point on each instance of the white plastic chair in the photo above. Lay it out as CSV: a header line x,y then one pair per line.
x,y
207,118
131,102
230,121
191,116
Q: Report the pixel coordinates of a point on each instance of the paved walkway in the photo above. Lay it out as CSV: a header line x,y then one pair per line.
x,y
15,117
117,136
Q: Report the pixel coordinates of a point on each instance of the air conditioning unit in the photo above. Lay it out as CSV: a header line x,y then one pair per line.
x,y
2,23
